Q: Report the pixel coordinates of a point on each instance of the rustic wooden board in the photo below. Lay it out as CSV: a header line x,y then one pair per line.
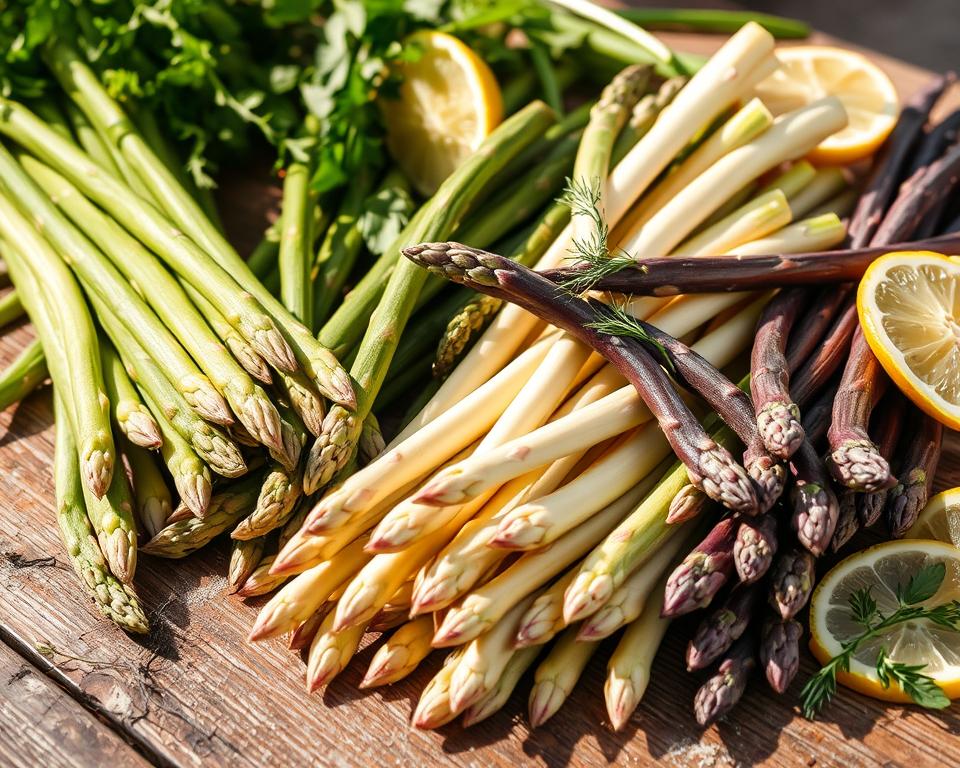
x,y
59,731
195,693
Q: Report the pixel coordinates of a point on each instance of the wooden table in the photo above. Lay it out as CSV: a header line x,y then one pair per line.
x,y
75,691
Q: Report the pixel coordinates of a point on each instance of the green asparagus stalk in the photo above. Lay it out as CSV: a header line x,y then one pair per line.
x,y
523,198
631,544
190,534
11,308
75,365
342,244
191,477
113,521
607,118
96,273
88,138
82,85
27,372
150,492
241,349
153,229
341,428
114,599
296,250
170,410
149,128
716,21
131,415
122,252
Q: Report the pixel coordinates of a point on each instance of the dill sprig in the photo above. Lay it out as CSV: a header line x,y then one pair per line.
x,y
616,320
583,198
923,689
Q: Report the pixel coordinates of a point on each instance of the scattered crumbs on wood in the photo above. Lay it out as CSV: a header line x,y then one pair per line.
x,y
695,754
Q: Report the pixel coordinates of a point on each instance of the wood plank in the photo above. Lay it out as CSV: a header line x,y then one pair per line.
x,y
43,725
196,694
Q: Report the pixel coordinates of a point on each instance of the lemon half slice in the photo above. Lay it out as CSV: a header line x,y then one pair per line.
x,y
881,569
810,72
940,519
909,307
449,102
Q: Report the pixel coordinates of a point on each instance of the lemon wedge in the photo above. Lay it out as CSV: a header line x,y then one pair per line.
x,y
940,519
810,72
921,642
909,307
448,103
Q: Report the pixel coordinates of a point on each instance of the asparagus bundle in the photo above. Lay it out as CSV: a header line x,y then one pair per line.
x,y
551,435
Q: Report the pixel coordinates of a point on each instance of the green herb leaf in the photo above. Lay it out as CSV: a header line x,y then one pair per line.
x,y
923,585
863,607
616,321
384,216
918,686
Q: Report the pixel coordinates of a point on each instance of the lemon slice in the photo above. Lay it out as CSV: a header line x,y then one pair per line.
x,y
940,519
882,568
448,103
810,72
909,306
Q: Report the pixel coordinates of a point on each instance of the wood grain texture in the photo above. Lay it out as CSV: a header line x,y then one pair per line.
x,y
44,725
195,693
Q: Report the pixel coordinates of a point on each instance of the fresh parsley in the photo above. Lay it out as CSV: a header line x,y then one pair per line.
x,y
822,687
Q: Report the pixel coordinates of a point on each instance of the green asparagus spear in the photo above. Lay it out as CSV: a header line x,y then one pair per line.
x,y
121,252
341,245
154,230
75,365
170,410
114,599
27,372
190,534
131,415
211,247
151,495
296,252
10,308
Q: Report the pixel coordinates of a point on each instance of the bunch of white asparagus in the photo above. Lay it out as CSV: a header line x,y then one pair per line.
x,y
528,500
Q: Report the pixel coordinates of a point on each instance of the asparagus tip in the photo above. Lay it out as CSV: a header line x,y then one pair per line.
x,y
723,480
545,699
585,595
780,428
97,468
621,699
857,464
